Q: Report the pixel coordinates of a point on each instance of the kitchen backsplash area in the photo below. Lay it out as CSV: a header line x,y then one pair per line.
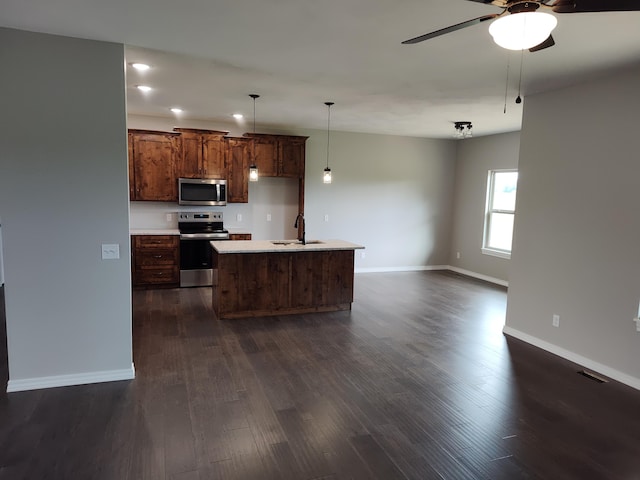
x,y
270,213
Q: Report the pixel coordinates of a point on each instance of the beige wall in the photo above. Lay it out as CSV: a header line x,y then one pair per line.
x,y
63,193
577,230
475,157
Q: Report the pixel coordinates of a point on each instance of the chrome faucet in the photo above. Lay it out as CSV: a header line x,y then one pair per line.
x,y
295,225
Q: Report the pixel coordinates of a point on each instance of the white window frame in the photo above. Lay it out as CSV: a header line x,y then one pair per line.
x,y
488,211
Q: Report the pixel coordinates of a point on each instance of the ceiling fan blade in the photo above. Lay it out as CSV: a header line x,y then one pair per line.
x,y
579,6
497,3
549,42
450,29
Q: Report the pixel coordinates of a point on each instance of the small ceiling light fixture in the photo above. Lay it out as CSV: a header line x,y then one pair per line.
x,y
253,169
144,88
463,130
238,116
141,67
176,110
326,176
523,29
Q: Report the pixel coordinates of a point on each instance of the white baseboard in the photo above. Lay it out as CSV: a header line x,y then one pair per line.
x,y
401,269
479,276
574,357
71,379
422,268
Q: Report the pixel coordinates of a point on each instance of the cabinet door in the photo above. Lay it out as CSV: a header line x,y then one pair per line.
x,y
213,157
291,158
266,156
154,167
239,152
189,162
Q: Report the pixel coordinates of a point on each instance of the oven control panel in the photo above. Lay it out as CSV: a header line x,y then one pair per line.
x,y
199,217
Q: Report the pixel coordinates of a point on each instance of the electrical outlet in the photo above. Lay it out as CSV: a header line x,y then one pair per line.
x,y
363,254
168,217
556,320
110,251
458,255
326,217
239,217
268,217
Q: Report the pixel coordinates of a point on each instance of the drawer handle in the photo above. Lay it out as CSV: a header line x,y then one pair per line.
x,y
157,256
161,274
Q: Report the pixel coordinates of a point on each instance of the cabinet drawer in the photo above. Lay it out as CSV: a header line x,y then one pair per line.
x,y
157,276
239,236
155,241
156,257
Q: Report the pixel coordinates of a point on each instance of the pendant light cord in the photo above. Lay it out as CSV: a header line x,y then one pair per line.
x,y
254,96
328,104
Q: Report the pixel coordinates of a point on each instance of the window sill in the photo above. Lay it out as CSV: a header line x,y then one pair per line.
x,y
496,253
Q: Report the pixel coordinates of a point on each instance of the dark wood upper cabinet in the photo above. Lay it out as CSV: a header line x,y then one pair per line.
x,y
279,155
152,173
265,150
291,156
239,151
158,159
202,154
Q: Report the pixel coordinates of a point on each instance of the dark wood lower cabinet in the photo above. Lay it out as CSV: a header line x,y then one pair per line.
x,y
261,284
155,261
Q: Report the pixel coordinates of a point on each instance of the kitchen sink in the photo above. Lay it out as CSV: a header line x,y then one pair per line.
x,y
295,242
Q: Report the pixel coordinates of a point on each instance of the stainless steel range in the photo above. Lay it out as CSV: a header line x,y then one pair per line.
x,y
197,229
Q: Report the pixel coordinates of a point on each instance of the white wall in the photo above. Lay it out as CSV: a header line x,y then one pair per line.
x,y
63,192
392,194
577,229
475,157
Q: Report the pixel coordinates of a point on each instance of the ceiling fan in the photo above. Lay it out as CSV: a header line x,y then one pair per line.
x,y
518,20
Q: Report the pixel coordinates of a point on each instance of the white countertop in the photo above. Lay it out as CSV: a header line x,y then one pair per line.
x,y
262,246
154,231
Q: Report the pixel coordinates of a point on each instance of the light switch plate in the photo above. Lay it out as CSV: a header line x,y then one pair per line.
x,y
110,251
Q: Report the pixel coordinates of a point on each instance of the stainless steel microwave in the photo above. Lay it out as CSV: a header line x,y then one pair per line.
x,y
202,191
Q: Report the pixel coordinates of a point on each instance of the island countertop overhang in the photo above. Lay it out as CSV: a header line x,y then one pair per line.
x,y
283,246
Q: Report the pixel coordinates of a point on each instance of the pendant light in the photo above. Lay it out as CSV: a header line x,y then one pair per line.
x,y
326,177
253,169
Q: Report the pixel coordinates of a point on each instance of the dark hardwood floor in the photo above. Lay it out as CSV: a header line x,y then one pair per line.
x,y
416,382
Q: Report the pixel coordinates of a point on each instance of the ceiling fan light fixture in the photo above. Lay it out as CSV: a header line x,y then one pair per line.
x,y
523,30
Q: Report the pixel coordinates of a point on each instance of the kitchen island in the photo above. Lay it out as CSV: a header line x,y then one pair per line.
x,y
261,278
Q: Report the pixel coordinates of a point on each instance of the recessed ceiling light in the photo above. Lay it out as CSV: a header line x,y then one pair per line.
x,y
143,88
176,110
140,66
238,116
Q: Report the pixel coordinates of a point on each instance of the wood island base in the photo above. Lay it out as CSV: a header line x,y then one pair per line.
x,y
282,283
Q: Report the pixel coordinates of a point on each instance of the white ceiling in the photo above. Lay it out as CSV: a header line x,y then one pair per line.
x,y
207,56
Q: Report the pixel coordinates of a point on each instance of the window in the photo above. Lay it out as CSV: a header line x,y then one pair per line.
x,y
500,211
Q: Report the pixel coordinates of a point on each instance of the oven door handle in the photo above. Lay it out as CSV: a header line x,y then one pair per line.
x,y
203,236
